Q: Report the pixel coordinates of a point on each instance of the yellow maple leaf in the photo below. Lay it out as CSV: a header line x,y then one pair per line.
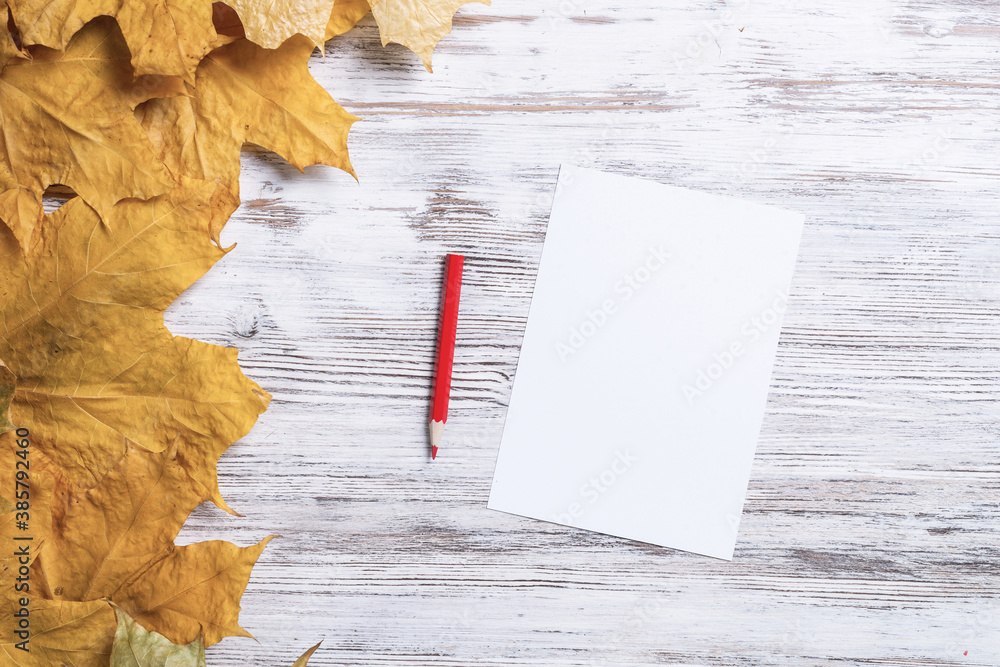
x,y
7,382
81,329
245,93
195,588
164,36
128,420
104,536
416,24
22,212
62,633
8,47
270,23
115,542
35,486
25,516
170,37
68,118
303,659
167,36
53,23
346,14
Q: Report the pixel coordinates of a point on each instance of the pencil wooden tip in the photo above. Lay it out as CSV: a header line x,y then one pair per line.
x,y
437,429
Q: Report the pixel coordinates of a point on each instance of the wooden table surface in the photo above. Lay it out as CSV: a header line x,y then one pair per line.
x,y
869,535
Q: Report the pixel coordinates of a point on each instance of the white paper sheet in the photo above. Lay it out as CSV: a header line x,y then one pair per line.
x,y
644,369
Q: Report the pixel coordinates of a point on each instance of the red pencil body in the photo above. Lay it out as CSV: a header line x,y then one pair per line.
x,y
446,347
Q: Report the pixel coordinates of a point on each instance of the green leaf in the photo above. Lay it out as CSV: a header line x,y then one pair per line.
x,y
135,646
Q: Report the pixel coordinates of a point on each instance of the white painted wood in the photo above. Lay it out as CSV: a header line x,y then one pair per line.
x,y
870,530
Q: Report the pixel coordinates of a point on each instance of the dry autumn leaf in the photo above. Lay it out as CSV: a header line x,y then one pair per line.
x,y
303,659
7,381
346,14
81,329
38,488
137,647
126,418
22,212
226,21
8,47
107,535
115,542
62,633
245,93
164,36
416,24
195,587
170,37
68,118
24,526
269,23
35,488
167,37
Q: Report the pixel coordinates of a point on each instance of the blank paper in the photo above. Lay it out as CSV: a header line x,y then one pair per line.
x,y
646,360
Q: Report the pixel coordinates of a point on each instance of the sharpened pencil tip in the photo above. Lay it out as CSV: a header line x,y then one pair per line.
x,y
434,453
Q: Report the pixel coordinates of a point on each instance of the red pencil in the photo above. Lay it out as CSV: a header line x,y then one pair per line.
x,y
446,348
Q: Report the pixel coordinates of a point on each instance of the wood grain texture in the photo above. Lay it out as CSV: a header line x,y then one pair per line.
x,y
869,535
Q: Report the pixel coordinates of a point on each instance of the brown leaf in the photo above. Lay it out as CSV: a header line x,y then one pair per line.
x,y
68,118
226,21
